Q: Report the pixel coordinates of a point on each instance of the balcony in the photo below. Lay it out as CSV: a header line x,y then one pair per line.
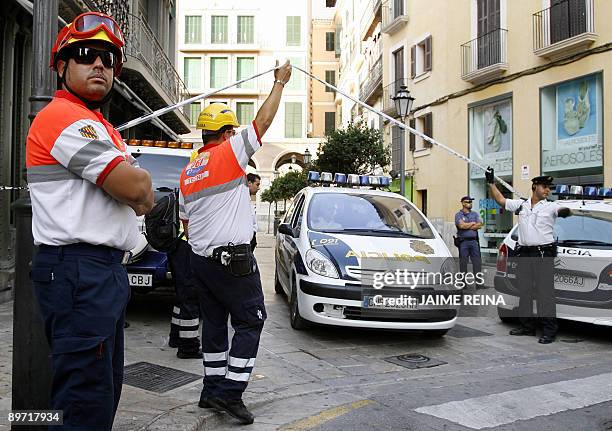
x,y
371,17
485,57
151,74
372,87
390,91
393,16
564,29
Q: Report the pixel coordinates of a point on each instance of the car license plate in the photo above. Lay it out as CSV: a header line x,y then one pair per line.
x,y
568,280
141,280
380,302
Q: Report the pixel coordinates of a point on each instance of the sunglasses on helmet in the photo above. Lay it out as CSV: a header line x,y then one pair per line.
x,y
90,23
85,55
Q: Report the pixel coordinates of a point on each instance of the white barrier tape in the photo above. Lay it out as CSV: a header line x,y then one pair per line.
x,y
170,108
410,129
12,188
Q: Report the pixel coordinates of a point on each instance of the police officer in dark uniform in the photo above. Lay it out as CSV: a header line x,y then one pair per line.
x,y
468,222
537,251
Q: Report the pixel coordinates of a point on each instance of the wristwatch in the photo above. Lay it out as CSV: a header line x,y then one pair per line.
x,y
280,82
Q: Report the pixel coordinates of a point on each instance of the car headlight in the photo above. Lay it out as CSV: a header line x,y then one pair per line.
x,y
319,264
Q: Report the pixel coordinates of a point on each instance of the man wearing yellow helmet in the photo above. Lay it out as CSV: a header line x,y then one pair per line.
x,y
215,207
86,193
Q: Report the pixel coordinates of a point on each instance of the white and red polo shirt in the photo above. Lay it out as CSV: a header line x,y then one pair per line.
x,y
214,194
69,152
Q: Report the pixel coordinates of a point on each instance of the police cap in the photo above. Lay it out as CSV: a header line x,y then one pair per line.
x,y
545,180
467,198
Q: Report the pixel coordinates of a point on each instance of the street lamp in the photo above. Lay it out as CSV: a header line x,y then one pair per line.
x,y
307,157
293,159
403,105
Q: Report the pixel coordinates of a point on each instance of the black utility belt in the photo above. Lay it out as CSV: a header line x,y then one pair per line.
x,y
545,247
238,260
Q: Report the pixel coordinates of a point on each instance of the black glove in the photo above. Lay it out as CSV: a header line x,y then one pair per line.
x,y
564,212
490,175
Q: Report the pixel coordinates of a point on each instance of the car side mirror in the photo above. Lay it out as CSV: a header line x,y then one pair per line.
x,y
285,228
514,236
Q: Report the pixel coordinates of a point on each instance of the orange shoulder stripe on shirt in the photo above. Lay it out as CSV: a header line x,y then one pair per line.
x,y
48,125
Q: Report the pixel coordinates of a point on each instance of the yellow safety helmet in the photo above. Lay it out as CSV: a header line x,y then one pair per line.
x,y
215,116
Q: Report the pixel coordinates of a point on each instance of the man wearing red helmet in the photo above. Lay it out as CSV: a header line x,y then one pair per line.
x,y
86,192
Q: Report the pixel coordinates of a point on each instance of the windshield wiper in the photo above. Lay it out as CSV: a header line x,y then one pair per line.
x,y
383,231
583,242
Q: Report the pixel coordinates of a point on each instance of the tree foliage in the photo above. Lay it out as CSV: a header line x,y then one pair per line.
x,y
358,149
285,187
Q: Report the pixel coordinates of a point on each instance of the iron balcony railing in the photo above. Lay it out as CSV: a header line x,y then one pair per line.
x,y
142,44
484,51
374,80
562,21
390,91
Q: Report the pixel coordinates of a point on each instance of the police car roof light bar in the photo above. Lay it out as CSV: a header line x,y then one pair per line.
x,y
340,179
353,180
326,177
410,129
385,181
580,192
313,177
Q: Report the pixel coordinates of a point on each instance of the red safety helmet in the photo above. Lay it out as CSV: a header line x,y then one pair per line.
x,y
91,26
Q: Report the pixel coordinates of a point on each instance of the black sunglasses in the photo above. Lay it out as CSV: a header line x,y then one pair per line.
x,y
85,55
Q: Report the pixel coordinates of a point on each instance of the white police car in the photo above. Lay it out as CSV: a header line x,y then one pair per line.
x,y
148,268
583,267
332,246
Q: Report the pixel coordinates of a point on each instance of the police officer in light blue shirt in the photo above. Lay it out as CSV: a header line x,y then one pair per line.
x,y
468,222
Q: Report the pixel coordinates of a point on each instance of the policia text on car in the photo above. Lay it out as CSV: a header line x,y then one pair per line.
x,y
536,251
215,206
86,192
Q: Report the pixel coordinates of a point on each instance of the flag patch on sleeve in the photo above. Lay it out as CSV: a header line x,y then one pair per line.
x,y
88,132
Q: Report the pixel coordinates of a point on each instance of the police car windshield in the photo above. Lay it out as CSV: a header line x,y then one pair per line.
x,y
165,170
592,228
363,214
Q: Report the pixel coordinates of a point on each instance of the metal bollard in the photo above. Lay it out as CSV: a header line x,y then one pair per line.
x,y
32,366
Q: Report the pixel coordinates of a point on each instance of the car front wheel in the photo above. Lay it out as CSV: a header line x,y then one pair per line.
x,y
297,321
277,286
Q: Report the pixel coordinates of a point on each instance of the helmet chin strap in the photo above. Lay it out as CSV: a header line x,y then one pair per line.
x,y
91,104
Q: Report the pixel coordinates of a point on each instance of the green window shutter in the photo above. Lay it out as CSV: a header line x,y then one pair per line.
x,y
245,111
193,29
246,29
218,29
193,72
296,82
330,122
218,72
293,120
194,112
330,41
330,77
245,68
294,31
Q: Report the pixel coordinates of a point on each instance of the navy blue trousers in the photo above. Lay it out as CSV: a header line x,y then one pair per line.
x,y
470,249
82,292
185,324
226,373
